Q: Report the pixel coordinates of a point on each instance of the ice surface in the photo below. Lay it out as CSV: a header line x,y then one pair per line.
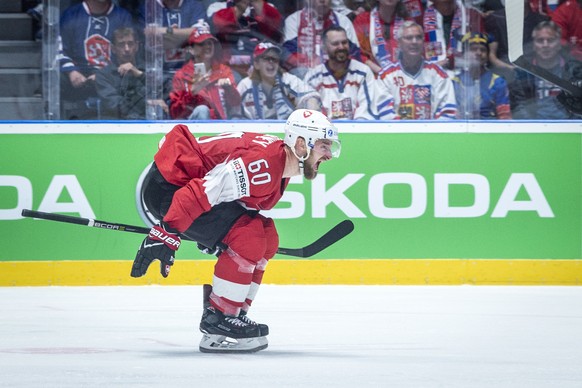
x,y
321,336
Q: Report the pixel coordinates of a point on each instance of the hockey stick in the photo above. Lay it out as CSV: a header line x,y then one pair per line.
x,y
514,14
335,234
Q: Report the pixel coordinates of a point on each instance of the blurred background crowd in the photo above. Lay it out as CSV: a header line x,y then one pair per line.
x,y
256,59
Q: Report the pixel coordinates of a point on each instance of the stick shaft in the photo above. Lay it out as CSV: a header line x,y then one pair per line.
x,y
332,236
85,221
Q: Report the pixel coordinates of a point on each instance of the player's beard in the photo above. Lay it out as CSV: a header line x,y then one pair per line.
x,y
310,167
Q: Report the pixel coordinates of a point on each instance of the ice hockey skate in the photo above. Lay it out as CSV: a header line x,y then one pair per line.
x,y
223,333
263,329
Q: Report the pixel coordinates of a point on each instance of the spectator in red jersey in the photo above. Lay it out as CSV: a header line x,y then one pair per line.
x,y
204,88
569,17
243,25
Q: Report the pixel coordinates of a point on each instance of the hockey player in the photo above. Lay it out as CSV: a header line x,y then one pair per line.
x,y
345,85
210,190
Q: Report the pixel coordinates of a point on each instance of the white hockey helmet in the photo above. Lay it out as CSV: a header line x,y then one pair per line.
x,y
311,125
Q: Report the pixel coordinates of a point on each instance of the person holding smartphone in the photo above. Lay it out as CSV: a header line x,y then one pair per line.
x,y
204,88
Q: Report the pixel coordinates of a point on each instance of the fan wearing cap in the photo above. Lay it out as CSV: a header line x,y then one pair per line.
x,y
480,93
268,93
204,92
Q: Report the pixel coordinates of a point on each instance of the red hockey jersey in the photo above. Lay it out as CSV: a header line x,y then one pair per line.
x,y
240,166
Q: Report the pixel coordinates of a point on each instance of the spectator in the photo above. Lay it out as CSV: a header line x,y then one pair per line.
x,y
480,93
286,7
133,7
302,49
540,6
445,22
340,7
208,91
414,88
569,17
535,98
496,28
376,31
178,20
85,46
357,7
240,27
346,86
121,84
270,94
215,6
415,9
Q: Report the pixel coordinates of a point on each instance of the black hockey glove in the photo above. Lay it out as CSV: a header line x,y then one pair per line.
x,y
159,244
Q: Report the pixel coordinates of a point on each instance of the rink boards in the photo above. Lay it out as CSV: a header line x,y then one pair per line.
x,y
432,203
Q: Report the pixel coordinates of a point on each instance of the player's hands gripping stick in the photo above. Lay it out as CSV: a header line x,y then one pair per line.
x,y
159,244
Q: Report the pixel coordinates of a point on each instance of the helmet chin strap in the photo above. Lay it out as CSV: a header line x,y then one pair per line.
x,y
301,159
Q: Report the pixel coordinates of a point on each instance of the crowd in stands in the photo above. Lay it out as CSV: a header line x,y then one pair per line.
x,y
352,59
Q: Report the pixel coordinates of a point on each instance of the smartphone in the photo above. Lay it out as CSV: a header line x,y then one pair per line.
x,y
199,69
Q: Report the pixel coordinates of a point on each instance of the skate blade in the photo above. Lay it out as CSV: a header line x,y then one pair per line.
x,y
214,343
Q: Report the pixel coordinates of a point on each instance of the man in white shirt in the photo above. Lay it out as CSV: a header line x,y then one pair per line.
x,y
414,88
345,85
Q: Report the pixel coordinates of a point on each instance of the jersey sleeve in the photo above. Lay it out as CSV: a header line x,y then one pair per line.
x,y
446,102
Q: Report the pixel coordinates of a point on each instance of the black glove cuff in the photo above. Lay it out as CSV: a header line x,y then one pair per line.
x,y
169,229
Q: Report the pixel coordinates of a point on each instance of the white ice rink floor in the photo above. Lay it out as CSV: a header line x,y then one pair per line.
x,y
321,336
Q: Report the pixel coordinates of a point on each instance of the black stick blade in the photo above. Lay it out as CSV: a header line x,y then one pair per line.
x,y
335,234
